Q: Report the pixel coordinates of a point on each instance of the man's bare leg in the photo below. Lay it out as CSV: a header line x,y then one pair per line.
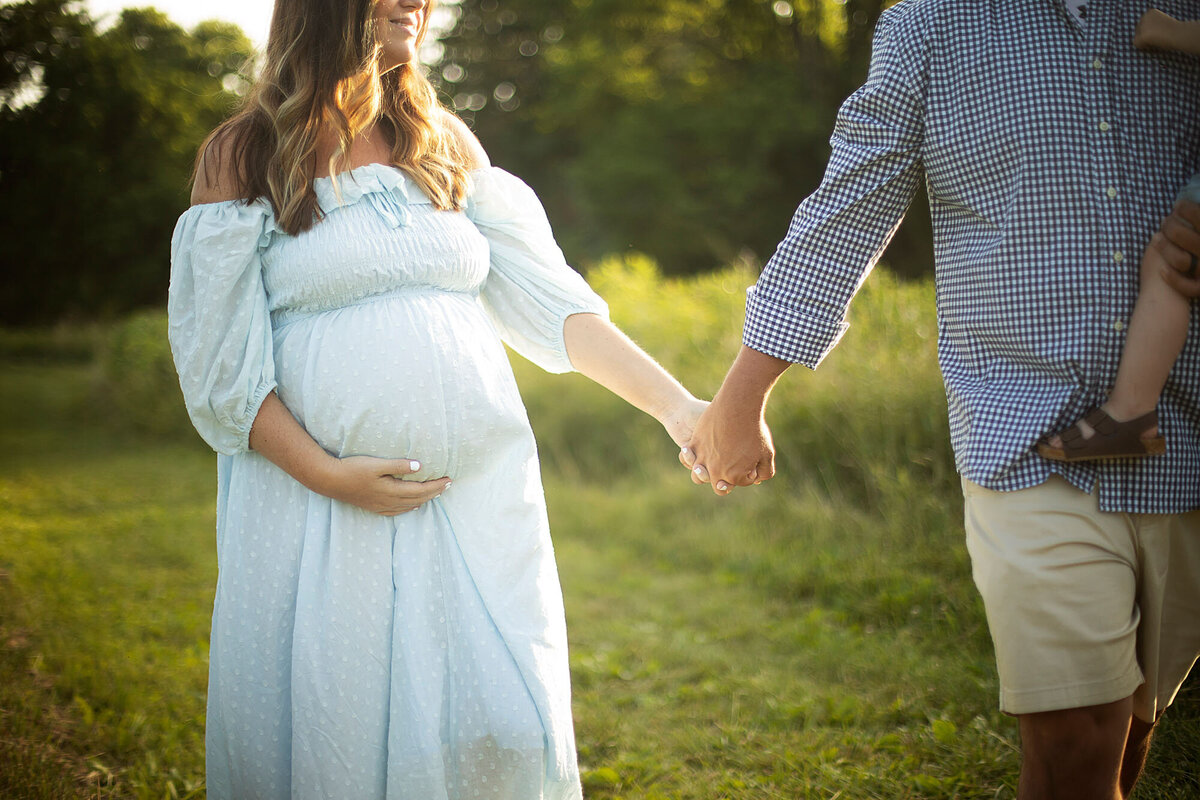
x,y
1076,753
1136,749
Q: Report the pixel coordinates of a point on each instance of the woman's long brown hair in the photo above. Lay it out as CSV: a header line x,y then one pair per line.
x,y
322,71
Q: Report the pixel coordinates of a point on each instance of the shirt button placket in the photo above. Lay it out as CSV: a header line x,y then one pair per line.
x,y
1115,324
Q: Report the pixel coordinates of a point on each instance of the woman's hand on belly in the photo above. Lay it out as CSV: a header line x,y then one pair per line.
x,y
375,484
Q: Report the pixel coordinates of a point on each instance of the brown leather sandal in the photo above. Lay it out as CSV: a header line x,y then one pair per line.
x,y
1111,439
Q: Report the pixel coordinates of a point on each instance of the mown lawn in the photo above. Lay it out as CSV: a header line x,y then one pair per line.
x,y
818,637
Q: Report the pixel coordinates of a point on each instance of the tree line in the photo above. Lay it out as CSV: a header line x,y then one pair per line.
x,y
684,129
98,130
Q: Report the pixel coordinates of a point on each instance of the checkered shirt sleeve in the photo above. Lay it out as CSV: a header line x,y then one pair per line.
x,y
796,312
1050,150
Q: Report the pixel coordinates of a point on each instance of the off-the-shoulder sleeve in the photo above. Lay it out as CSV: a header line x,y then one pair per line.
x,y
220,325
530,290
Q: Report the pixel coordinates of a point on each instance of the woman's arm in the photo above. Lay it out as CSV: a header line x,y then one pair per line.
x,y
597,349
370,483
600,351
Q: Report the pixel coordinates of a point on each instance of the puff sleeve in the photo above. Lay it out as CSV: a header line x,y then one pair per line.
x,y
219,321
530,290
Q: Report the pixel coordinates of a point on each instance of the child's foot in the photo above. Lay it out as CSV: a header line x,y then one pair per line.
x,y
1099,436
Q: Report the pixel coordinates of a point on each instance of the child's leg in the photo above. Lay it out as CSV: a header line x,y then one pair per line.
x,y
1157,331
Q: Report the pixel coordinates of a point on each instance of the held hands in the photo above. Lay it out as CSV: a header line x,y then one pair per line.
x,y
375,484
729,448
731,444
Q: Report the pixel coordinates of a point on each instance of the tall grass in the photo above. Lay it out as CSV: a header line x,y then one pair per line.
x,y
814,637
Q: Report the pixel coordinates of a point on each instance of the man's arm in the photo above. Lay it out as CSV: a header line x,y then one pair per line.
x,y
1178,241
1159,31
796,311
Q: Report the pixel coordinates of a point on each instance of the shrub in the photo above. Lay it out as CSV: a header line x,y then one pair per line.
x,y
65,343
138,384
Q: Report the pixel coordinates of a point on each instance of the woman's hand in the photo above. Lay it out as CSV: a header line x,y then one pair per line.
x,y
680,419
370,483
375,484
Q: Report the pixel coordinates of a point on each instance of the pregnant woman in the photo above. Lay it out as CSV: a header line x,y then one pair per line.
x,y
388,618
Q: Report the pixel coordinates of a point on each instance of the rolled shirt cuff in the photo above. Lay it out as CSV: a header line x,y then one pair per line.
x,y
786,333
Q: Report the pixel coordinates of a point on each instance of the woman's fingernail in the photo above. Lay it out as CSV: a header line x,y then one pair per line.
x,y
685,450
698,470
414,465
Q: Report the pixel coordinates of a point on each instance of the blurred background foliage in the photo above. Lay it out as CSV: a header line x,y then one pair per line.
x,y
98,130
687,130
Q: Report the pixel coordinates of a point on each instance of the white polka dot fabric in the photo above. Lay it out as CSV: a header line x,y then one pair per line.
x,y
421,657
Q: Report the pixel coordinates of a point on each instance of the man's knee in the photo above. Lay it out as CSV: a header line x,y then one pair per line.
x,y
1099,723
1067,739
1076,752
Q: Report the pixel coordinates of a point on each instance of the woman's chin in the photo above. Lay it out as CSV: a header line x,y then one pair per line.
x,y
396,56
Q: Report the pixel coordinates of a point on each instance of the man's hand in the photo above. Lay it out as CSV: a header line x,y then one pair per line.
x,y
731,445
1178,242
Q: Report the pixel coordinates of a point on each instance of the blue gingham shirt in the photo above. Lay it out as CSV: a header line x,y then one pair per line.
x,y
1050,150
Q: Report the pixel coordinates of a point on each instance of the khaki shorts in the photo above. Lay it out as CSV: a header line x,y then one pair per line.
x,y
1084,607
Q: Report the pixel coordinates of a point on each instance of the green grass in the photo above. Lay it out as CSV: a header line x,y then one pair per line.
x,y
817,637
106,547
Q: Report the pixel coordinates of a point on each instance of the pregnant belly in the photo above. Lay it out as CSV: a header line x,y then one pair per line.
x,y
421,376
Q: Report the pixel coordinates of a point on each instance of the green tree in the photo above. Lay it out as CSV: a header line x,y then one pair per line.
x,y
687,129
98,131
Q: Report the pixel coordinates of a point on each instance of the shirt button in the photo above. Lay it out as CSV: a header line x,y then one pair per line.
x,y
1118,256
1118,326
1111,192
1097,64
1103,126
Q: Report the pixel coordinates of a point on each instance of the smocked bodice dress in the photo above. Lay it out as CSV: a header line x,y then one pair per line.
x,y
353,655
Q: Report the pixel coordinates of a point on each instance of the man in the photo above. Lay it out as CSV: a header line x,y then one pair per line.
x,y
1051,149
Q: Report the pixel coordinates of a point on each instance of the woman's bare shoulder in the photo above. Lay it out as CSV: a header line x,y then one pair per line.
x,y
468,143
216,173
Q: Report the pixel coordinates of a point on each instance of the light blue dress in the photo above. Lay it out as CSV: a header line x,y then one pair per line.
x,y
356,656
